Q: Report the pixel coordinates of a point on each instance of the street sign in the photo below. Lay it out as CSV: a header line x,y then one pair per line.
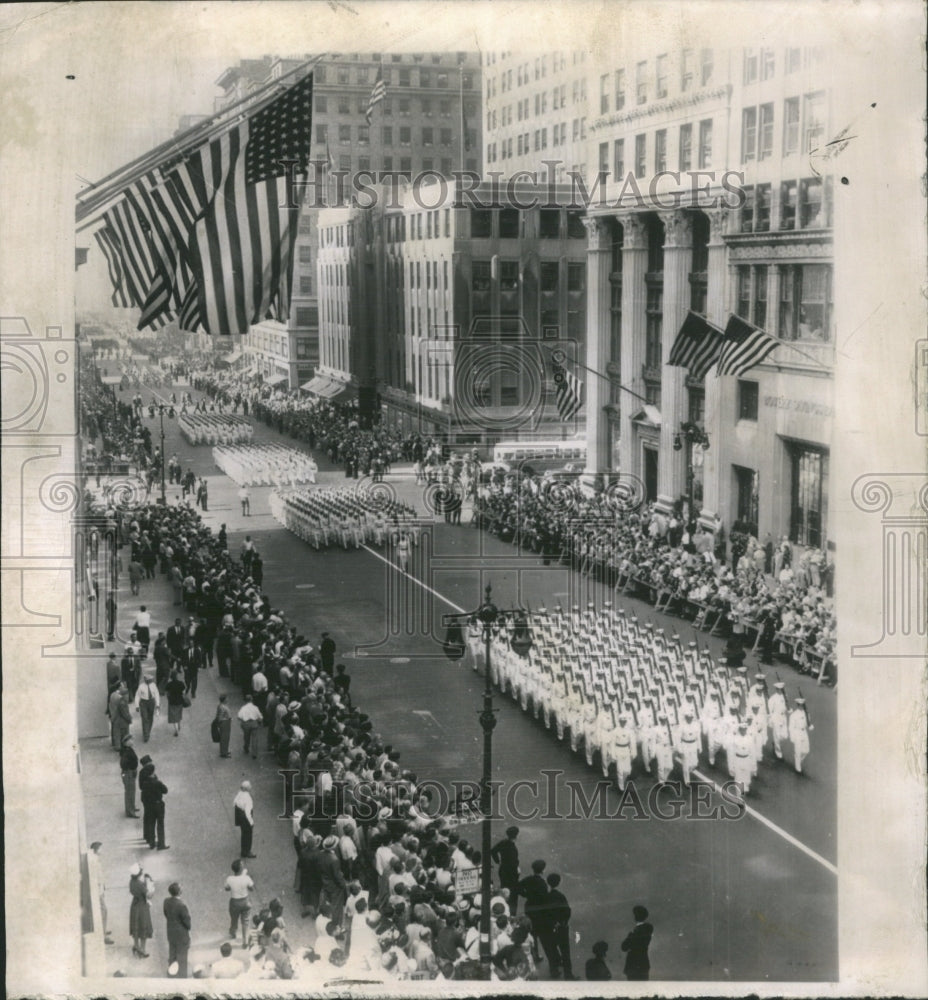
x,y
467,881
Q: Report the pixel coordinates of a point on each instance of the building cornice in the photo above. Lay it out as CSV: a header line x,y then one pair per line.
x,y
655,108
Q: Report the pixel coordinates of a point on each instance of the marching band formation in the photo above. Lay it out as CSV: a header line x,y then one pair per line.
x,y
266,465
214,428
346,517
631,693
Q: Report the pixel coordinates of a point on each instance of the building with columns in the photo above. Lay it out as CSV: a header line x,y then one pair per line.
x,y
715,197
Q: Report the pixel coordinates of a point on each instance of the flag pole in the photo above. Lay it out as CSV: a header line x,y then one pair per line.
x,y
461,97
579,364
103,190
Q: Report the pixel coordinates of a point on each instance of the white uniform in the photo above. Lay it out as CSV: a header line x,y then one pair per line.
x,y
779,729
663,750
689,742
742,758
624,748
799,735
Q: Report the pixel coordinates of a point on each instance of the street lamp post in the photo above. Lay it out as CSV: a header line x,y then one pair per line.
x,y
695,437
487,614
170,411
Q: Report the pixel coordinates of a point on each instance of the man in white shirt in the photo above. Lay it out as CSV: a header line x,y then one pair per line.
x,y
226,967
147,703
239,885
245,817
250,718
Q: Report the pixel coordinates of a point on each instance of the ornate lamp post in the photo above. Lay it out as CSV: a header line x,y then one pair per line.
x,y
695,437
488,614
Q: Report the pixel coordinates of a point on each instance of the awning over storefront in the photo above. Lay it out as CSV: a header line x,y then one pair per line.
x,y
111,379
232,356
329,389
275,380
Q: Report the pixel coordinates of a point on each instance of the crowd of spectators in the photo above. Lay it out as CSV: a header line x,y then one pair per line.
x,y
374,863
681,568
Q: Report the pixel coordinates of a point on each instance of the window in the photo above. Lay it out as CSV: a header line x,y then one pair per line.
x,y
687,63
342,74
575,227
750,65
686,147
481,222
509,223
362,105
405,135
344,106
362,74
662,75
306,254
446,164
619,89
808,494
467,81
428,163
426,107
444,107
805,302
747,505
654,309
322,134
604,93
303,349
388,164
813,207
705,144
388,135
765,135
549,223
640,155
364,135
699,272
509,287
404,78
442,80
814,118
445,136
321,104
404,107
364,164
344,162
660,150
768,61
405,165
793,60
604,157
319,74
696,405
747,400
752,294
641,82
548,293
788,205
618,159
791,126
425,78
748,134
706,66
576,277
427,137
307,316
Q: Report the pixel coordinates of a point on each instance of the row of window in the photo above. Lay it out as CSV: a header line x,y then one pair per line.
x,y
405,106
761,63
803,293
803,204
685,151
403,136
527,142
402,76
803,117
693,70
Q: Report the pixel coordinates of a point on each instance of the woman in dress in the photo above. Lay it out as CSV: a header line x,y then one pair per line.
x,y
141,888
174,689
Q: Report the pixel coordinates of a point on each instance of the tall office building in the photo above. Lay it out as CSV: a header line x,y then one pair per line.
x,y
755,242
428,121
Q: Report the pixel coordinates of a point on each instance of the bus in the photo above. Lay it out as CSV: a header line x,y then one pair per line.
x,y
540,456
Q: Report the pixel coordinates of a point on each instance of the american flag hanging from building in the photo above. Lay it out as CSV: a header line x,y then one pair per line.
x,y
241,247
744,347
378,93
697,345
568,391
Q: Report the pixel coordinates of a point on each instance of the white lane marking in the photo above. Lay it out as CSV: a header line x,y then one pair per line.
x,y
788,837
824,862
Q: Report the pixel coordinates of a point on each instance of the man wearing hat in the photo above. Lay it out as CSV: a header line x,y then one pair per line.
x,y
534,890
147,703
742,763
120,716
112,678
245,817
799,733
177,917
689,744
776,710
506,855
334,887
128,766
129,670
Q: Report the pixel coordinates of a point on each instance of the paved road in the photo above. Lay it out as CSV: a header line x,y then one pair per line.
x,y
745,899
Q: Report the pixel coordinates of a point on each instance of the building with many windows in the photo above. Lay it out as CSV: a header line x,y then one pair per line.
x,y
717,200
460,302
428,122
535,110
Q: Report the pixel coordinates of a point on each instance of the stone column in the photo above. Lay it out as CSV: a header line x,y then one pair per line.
x,y
596,387
678,259
634,268
717,300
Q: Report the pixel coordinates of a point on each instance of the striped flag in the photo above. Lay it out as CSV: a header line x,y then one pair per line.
x,y
241,247
378,93
745,346
567,392
697,345
109,245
